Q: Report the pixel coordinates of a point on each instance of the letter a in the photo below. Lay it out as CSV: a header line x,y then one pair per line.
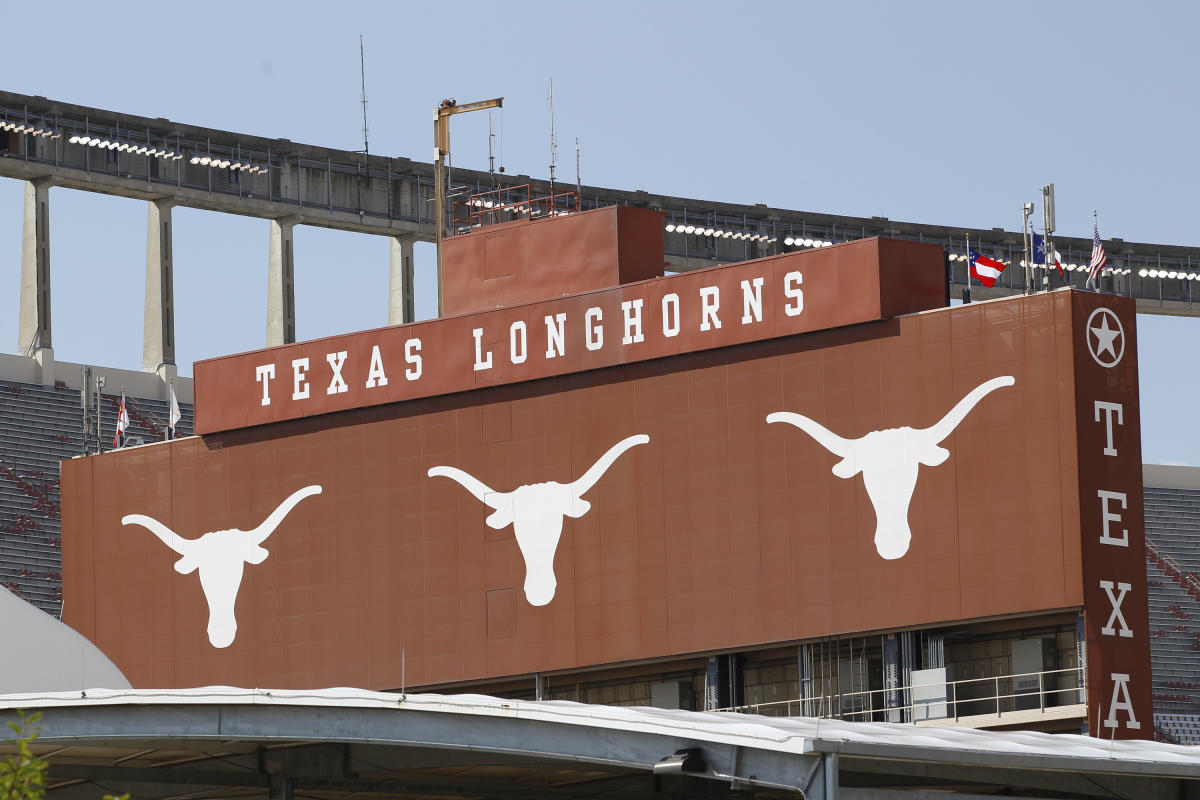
x,y
1121,702
376,375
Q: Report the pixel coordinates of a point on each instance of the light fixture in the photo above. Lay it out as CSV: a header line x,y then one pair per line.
x,y
25,127
671,228
135,148
688,760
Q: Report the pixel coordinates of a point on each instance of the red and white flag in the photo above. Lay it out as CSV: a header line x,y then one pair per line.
x,y
122,423
985,270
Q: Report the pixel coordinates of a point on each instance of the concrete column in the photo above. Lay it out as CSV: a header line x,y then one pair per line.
x,y
400,281
158,325
281,297
33,327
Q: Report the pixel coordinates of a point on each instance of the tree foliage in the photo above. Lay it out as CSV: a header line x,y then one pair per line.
x,y
22,774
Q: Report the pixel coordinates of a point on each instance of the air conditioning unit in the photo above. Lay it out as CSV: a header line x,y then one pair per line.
x,y
1033,656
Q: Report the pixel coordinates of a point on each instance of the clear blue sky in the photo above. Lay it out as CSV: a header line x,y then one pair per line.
x,y
947,113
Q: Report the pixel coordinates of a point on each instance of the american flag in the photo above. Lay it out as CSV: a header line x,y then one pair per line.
x,y
1099,259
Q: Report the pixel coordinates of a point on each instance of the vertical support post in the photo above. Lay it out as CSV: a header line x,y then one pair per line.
x,y
158,324
400,281
281,298
34,330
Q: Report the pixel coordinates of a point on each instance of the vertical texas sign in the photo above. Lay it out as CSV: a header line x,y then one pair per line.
x,y
1111,521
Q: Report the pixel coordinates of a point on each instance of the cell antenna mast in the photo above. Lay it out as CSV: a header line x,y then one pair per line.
x,y
491,149
1048,229
553,137
362,63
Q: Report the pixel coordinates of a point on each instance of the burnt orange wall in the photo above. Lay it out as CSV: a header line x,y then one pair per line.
x,y
721,532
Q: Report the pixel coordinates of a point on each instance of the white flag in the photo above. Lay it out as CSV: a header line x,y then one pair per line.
x,y
174,415
122,423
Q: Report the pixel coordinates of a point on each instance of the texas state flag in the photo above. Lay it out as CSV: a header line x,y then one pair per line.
x,y
985,270
1039,254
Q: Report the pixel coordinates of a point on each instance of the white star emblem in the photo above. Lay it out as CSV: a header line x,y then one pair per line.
x,y
1108,346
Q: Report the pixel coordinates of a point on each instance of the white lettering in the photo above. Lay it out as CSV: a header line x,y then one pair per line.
x,y
670,315
595,333
375,375
632,309
336,384
1121,702
299,385
1108,409
480,364
264,375
795,295
517,340
710,302
1116,615
412,355
1106,517
555,334
752,301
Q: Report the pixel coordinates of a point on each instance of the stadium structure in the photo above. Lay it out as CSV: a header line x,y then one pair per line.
x,y
691,473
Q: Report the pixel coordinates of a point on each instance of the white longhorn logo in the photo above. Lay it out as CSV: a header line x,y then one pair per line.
x,y
536,513
889,460
221,556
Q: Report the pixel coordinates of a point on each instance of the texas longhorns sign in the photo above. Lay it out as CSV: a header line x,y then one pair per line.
x,y
751,301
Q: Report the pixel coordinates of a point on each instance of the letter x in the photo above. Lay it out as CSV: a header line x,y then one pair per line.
x,y
1116,615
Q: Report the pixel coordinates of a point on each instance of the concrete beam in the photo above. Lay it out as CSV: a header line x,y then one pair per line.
x,y
158,331
34,330
281,295
400,281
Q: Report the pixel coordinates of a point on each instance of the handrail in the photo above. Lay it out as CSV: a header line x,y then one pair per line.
x,y
1185,578
953,701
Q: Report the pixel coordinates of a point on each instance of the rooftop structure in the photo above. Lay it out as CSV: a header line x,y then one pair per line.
x,y
322,744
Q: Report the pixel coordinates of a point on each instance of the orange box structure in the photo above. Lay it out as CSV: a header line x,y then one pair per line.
x,y
531,260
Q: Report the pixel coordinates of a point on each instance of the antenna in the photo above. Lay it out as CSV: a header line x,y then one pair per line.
x,y
553,137
578,187
491,149
362,63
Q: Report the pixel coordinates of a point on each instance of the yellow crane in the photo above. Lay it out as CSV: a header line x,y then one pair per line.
x,y
441,148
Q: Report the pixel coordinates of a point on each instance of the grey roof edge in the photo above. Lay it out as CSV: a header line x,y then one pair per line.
x,y
549,728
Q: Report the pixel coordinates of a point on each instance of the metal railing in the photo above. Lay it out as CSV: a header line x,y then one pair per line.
x,y
992,696
1185,578
511,203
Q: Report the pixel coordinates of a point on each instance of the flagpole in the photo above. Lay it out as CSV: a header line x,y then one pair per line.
x,y
1090,283
967,296
1026,240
